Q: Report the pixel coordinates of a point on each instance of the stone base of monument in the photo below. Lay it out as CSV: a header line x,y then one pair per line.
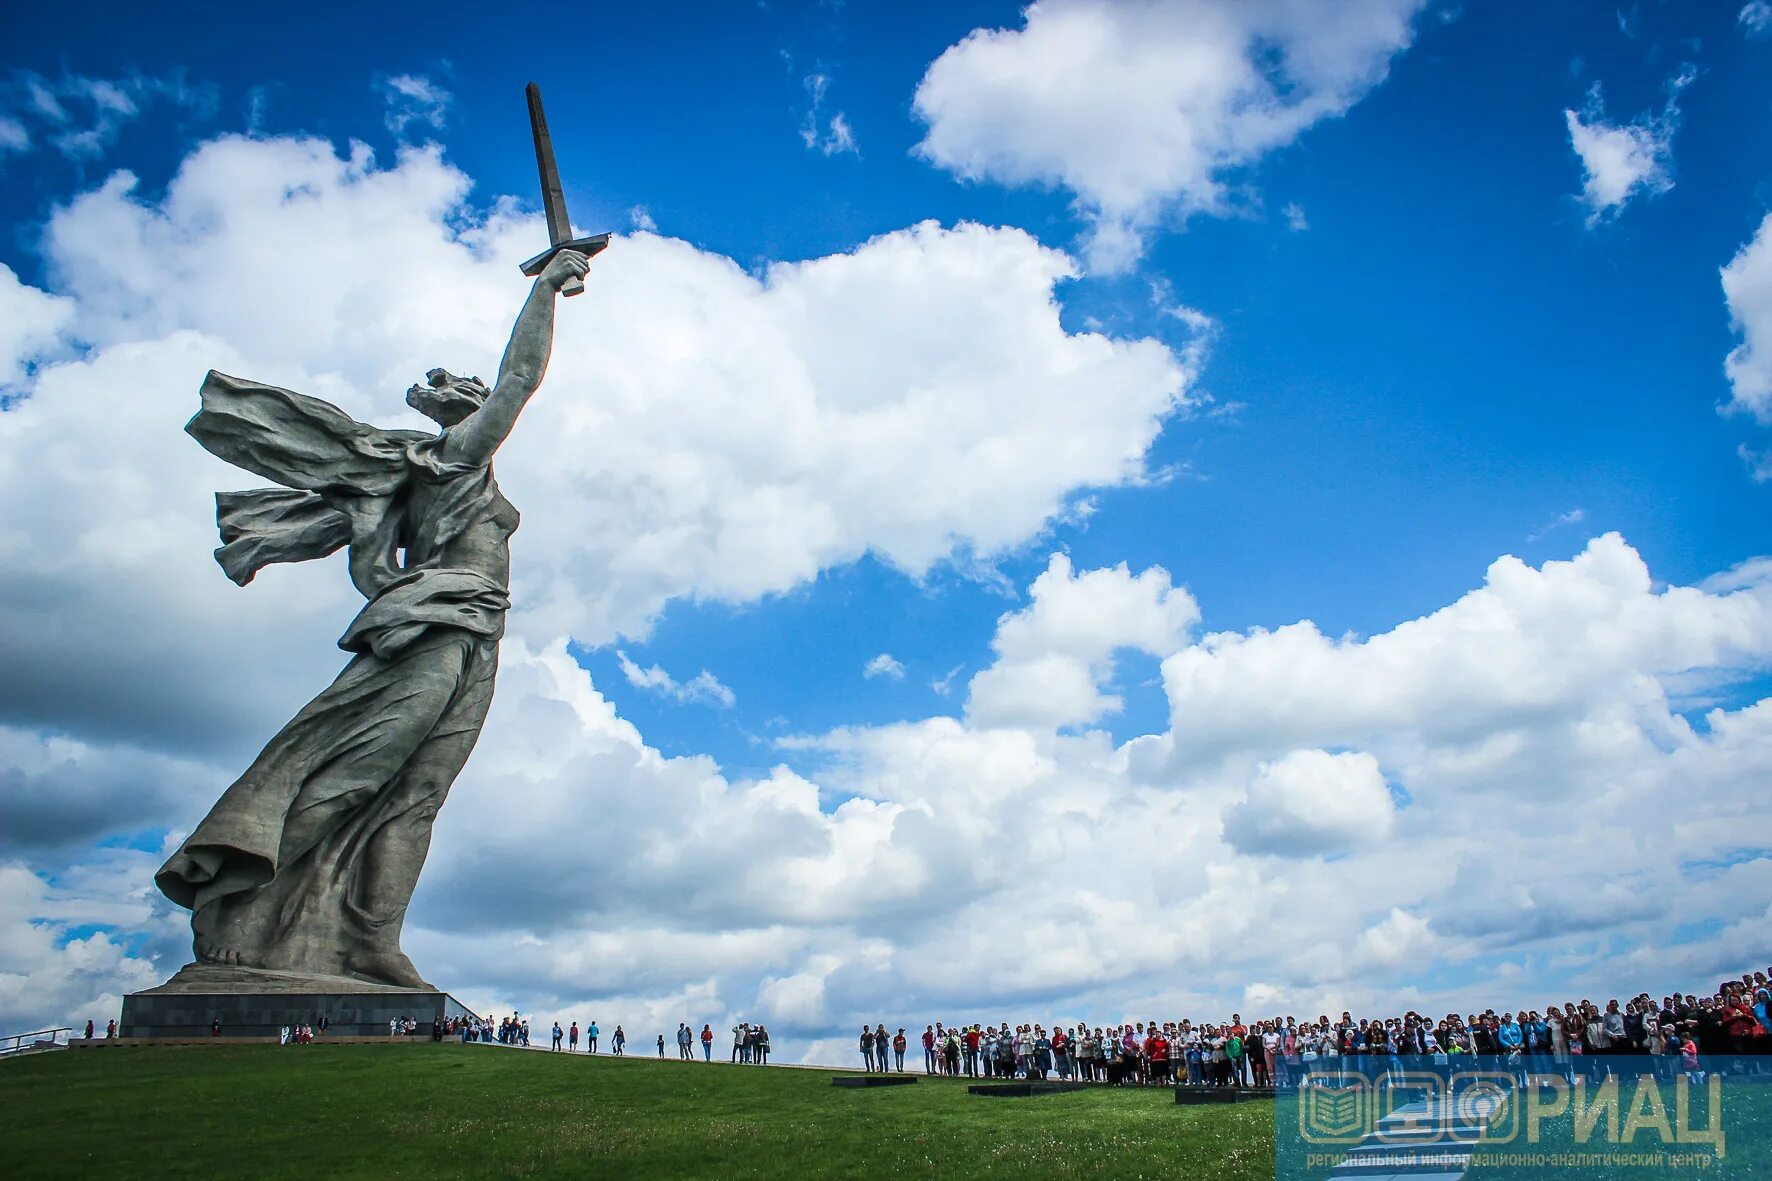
x,y
1023,1090
873,1080
252,1003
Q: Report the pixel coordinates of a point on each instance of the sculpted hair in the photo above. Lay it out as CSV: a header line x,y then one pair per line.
x,y
447,399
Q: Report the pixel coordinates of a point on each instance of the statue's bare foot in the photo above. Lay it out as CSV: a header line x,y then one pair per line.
x,y
385,967
219,953
219,936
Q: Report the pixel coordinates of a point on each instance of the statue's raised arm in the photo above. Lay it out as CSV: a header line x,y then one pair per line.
x,y
474,439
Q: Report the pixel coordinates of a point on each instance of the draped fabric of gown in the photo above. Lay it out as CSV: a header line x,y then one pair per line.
x,y
308,861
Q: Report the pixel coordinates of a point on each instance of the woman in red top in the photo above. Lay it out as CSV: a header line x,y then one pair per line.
x,y
1156,1048
1743,1027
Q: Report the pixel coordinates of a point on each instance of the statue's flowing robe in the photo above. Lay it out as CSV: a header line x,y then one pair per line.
x,y
308,860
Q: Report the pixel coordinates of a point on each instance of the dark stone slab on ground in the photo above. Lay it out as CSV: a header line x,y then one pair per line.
x,y
257,1004
873,1080
1190,1095
1024,1089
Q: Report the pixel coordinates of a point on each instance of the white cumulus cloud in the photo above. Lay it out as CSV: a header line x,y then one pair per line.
x,y
1143,109
678,891
1311,801
749,432
1747,291
1520,658
31,325
884,665
912,397
1054,656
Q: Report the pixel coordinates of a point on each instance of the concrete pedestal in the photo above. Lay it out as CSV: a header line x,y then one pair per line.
x,y
251,1003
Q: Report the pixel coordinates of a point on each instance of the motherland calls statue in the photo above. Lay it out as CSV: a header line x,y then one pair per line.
x,y
306,864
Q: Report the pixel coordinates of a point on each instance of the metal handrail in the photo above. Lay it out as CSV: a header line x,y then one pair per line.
x,y
18,1039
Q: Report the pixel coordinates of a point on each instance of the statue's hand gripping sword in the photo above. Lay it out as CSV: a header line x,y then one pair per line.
x,y
553,200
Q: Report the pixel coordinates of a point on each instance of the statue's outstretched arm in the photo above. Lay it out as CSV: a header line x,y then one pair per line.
x,y
476,437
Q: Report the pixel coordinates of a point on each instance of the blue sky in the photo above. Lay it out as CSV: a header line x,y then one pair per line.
x,y
1416,347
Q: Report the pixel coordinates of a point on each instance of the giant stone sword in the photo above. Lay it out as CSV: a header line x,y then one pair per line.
x,y
553,201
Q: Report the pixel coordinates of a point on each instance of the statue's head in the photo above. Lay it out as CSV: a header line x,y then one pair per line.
x,y
447,399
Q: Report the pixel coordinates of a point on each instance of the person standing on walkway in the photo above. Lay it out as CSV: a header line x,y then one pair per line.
x,y
899,1042
762,1055
929,1049
740,1038
867,1048
618,1041
559,1036
572,1039
707,1043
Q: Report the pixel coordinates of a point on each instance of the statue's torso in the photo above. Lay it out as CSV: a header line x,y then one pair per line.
x,y
483,542
484,546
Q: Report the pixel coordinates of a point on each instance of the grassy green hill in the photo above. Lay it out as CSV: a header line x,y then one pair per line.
x,y
424,1110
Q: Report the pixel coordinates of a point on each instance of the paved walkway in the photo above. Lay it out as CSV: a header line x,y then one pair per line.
x,y
671,1056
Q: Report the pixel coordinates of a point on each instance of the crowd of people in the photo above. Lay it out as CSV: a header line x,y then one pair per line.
x,y
686,1039
506,1031
514,1031
1730,1029
750,1044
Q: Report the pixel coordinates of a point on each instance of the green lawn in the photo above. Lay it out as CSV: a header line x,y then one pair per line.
x,y
425,1110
